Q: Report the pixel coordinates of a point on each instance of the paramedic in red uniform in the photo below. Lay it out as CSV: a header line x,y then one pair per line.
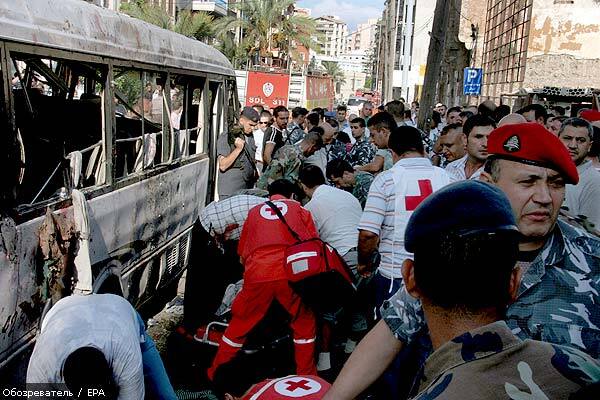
x,y
262,245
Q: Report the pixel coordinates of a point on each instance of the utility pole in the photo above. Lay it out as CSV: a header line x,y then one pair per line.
x,y
392,34
437,45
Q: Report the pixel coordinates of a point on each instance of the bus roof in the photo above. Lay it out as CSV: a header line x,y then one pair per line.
x,y
75,25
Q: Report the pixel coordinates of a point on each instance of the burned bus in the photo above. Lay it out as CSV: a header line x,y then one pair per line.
x,y
109,129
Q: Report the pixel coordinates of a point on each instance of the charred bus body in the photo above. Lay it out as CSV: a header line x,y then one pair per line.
x,y
109,129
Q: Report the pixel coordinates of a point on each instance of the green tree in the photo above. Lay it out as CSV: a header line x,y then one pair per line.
x,y
236,54
198,25
332,68
269,25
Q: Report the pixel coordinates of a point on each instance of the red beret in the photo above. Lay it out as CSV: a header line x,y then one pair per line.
x,y
531,143
591,115
289,387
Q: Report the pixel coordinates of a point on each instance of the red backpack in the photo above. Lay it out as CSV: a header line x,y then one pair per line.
x,y
316,271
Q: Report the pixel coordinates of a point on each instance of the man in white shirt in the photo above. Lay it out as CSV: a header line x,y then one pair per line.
x,y
393,197
259,134
394,194
477,129
98,342
336,214
583,198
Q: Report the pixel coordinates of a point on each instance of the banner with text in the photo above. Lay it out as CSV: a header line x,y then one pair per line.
x,y
267,88
320,92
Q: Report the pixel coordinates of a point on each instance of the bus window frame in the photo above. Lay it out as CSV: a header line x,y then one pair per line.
x,y
29,211
33,210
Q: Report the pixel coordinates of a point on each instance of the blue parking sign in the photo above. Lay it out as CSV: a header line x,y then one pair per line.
x,y
472,81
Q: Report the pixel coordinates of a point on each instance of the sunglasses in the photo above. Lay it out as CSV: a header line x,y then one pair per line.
x,y
264,122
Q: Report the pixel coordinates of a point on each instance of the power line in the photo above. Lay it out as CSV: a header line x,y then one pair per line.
x,y
453,4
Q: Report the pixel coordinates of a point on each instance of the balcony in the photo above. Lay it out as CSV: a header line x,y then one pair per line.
x,y
216,7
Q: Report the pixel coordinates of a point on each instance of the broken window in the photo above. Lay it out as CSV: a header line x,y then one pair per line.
x,y
187,114
216,111
58,117
10,160
138,120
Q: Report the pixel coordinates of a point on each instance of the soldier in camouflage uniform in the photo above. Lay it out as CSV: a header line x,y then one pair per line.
x,y
473,289
337,150
295,128
363,151
288,160
558,300
342,175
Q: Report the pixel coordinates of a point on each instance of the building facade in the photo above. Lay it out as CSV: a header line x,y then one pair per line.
x,y
532,44
403,44
218,8
364,37
333,34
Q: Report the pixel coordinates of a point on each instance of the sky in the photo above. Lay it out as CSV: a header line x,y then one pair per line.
x,y
352,12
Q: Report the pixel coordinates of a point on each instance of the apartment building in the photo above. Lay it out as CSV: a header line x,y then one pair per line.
x,y
333,34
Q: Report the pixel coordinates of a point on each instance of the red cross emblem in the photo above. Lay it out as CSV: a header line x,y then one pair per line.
x,y
297,386
267,212
425,189
292,385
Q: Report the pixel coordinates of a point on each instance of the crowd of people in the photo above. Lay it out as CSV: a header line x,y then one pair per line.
x,y
473,249
545,163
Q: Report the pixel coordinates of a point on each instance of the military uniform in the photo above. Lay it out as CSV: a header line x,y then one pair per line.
x,y
295,133
362,184
337,150
490,362
558,300
362,152
285,165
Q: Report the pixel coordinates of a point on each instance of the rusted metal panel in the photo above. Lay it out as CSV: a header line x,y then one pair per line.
x,y
75,25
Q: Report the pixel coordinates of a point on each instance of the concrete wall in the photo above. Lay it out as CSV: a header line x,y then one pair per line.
x,y
561,70
572,29
564,45
473,12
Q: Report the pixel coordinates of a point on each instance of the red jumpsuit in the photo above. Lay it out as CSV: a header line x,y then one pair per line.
x,y
262,246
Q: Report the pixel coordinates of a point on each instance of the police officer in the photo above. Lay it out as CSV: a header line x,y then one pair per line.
x,y
558,298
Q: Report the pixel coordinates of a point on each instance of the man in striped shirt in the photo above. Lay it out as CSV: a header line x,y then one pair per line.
x,y
394,194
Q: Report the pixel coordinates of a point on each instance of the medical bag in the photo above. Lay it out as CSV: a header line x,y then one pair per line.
x,y
317,272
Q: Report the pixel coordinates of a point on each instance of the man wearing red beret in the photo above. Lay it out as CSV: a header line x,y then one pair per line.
x,y
592,116
558,300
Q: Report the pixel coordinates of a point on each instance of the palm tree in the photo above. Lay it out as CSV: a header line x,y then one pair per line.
x,y
237,54
332,68
266,26
198,25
